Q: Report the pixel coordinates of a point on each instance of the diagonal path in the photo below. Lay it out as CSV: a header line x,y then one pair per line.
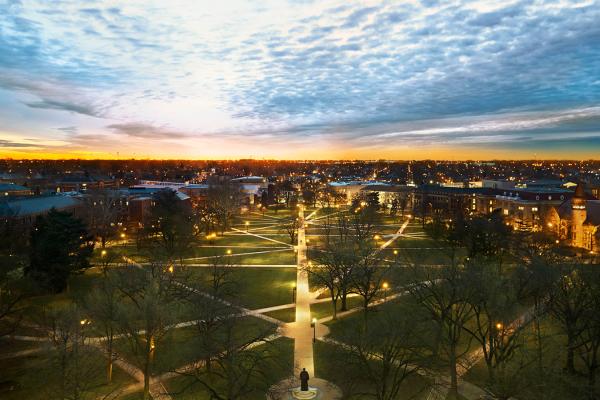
x,y
261,237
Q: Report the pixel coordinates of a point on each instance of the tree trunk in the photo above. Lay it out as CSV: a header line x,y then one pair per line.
x,y
344,306
453,393
109,364
334,303
592,383
570,365
149,356
538,333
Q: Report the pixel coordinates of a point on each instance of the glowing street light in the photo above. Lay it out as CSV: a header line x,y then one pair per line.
x,y
313,324
171,268
499,326
385,289
395,252
103,253
247,223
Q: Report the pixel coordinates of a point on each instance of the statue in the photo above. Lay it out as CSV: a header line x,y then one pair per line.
x,y
304,380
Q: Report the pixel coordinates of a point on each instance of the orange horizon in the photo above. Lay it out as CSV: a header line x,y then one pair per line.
x,y
438,154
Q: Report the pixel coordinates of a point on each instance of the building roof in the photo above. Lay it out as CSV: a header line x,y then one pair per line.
x,y
387,188
579,192
36,205
11,187
357,183
250,179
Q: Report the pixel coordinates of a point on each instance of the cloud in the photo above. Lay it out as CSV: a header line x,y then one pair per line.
x,y
72,130
145,131
9,143
63,106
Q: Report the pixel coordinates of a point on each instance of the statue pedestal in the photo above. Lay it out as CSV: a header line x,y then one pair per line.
x,y
318,389
311,393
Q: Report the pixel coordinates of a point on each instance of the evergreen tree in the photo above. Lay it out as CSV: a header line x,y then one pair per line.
x,y
60,245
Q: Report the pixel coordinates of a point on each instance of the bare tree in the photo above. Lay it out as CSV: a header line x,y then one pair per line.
x,y
240,361
384,358
568,305
588,346
224,200
495,326
290,225
146,312
208,308
235,359
102,211
444,294
368,275
102,306
535,278
327,271
66,329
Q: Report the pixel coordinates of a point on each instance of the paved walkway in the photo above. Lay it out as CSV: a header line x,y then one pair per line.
x,y
301,330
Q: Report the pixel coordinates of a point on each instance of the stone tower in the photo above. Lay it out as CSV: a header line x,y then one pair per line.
x,y
578,216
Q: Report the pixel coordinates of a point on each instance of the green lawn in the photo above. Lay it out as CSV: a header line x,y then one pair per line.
x,y
183,346
257,287
37,377
527,380
330,365
277,366
285,315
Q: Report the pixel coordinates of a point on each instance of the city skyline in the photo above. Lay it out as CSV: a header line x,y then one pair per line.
x,y
300,80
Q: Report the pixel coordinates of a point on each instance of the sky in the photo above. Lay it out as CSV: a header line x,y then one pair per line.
x,y
300,79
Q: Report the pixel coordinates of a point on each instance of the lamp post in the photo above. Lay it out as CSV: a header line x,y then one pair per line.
x,y
293,292
313,324
385,289
247,223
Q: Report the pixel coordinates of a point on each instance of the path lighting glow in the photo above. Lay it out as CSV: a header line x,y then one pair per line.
x,y
103,253
228,251
499,326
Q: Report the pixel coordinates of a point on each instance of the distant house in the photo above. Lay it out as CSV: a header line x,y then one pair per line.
x,y
251,186
352,188
83,182
26,209
13,190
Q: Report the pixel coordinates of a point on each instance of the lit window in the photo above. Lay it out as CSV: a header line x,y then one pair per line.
x,y
534,209
505,211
